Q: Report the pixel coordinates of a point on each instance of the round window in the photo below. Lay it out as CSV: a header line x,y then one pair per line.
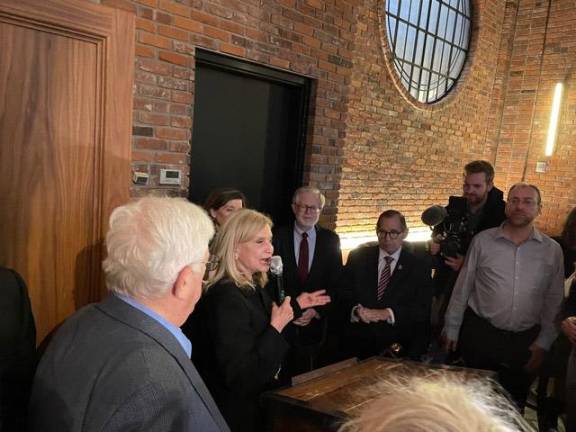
x,y
429,41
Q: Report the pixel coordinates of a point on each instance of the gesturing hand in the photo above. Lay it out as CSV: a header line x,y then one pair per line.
x,y
281,315
309,300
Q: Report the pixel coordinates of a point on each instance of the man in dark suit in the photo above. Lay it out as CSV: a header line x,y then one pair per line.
x,y
124,364
388,293
312,261
17,350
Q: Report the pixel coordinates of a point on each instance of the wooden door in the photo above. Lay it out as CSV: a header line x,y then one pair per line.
x,y
65,123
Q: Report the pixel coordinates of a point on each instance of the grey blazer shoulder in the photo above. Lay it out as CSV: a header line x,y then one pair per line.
x,y
111,367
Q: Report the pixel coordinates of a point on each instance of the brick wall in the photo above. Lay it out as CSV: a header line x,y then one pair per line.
x,y
368,147
543,52
409,156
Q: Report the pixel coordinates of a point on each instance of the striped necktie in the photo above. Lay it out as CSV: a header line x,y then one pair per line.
x,y
384,277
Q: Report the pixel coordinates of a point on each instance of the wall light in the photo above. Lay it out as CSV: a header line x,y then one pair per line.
x,y
554,117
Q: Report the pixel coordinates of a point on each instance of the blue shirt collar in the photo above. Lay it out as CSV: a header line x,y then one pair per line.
x,y
175,331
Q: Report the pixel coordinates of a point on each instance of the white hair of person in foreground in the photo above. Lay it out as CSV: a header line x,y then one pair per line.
x,y
436,403
150,241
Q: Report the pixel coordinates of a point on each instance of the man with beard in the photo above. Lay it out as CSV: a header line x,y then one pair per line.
x,y
480,207
509,291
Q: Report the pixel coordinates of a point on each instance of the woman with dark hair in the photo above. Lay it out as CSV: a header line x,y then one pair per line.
x,y
222,203
236,329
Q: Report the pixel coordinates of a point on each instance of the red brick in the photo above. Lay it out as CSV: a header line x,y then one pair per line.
x,y
154,40
153,119
183,122
174,58
172,32
188,24
174,8
216,34
145,24
181,97
172,134
144,51
144,143
150,3
231,49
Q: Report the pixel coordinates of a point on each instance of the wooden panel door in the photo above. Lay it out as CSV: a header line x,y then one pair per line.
x,y
65,123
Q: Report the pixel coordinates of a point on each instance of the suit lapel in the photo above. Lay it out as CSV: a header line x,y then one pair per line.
x,y
315,267
401,271
138,320
371,270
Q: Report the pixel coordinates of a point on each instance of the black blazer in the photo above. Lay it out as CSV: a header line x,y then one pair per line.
x,y
324,273
236,350
409,293
17,350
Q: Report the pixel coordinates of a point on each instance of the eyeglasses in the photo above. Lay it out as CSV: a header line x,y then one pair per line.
x,y
393,235
306,208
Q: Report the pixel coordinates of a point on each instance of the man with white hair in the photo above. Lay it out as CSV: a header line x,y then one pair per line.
x,y
124,364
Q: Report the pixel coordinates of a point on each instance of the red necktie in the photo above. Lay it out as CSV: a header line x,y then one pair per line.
x,y
303,259
384,277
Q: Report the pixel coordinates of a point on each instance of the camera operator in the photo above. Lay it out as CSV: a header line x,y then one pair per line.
x,y
481,207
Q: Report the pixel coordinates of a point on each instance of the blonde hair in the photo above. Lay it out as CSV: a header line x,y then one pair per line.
x,y
242,226
436,403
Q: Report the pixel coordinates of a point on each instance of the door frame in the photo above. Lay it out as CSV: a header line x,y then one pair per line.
x,y
248,69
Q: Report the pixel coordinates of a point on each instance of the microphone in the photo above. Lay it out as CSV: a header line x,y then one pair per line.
x,y
434,215
277,268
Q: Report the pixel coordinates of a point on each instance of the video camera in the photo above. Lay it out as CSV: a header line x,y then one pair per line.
x,y
449,226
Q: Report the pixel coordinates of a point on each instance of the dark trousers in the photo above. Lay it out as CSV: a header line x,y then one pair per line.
x,y
484,346
367,340
571,393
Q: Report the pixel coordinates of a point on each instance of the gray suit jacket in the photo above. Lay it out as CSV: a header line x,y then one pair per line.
x,y
110,367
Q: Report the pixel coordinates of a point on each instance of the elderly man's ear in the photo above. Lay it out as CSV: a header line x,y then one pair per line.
x,y
184,283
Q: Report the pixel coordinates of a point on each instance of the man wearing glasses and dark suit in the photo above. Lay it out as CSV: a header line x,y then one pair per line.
x,y
387,292
312,261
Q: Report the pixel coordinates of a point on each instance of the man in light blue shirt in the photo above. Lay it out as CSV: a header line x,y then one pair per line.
x,y
124,364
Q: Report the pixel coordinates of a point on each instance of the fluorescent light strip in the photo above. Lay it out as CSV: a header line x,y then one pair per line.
x,y
554,116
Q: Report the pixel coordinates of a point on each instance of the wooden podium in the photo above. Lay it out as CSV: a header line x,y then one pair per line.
x,y
325,398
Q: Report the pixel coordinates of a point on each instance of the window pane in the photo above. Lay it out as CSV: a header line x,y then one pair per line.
x,y
392,6
430,45
410,42
445,60
424,14
414,10
405,9
438,56
432,24
451,25
427,63
401,40
391,31
419,47
442,21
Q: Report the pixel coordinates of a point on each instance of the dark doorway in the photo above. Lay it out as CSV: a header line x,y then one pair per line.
x,y
249,132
